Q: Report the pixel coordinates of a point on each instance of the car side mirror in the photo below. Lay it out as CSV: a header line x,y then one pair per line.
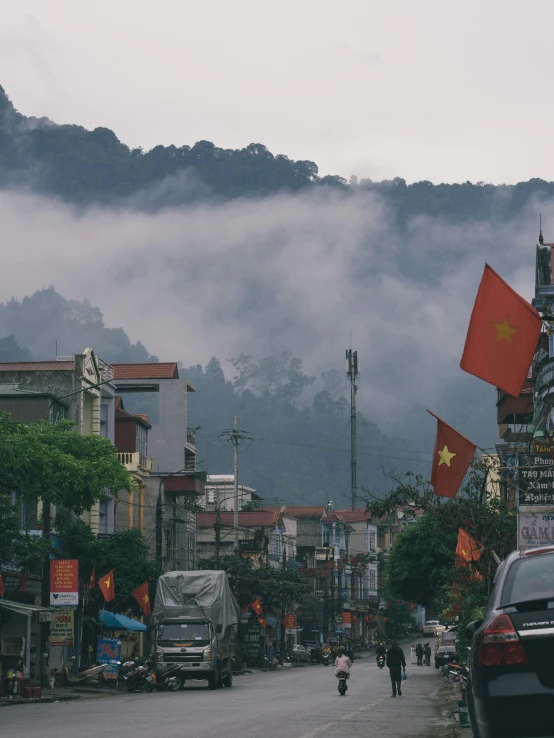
x,y
472,627
219,628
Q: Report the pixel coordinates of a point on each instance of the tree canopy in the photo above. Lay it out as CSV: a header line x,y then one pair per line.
x,y
57,465
84,167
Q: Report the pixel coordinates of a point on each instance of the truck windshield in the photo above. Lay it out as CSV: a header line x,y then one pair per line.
x,y
187,634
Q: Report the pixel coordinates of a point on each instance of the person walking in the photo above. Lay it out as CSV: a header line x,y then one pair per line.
x,y
413,657
397,664
419,654
427,653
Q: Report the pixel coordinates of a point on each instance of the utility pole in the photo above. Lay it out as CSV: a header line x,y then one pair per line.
x,y
352,374
234,437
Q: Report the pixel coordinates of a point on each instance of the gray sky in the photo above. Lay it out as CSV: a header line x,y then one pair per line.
x,y
434,89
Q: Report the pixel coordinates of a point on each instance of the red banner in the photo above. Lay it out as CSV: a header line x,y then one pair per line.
x,y
346,617
290,622
64,582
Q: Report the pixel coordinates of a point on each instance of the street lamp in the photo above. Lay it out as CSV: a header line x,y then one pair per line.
x,y
159,514
218,527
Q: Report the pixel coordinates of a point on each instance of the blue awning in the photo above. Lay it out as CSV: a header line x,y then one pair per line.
x,y
114,621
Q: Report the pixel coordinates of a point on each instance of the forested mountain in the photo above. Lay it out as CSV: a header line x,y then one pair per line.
x,y
298,425
86,167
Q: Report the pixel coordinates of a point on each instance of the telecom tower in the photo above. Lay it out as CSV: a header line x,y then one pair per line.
x,y
352,374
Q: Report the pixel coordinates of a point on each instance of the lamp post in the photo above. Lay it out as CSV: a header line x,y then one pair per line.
x,y
159,514
218,526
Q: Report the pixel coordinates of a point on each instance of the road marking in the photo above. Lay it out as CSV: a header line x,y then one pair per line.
x,y
328,726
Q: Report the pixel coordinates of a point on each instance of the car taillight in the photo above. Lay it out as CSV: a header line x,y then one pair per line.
x,y
500,645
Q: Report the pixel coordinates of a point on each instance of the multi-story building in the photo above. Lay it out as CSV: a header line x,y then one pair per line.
x,y
267,538
155,391
131,441
79,388
219,493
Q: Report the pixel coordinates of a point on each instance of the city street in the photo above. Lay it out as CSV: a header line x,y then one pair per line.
x,y
289,703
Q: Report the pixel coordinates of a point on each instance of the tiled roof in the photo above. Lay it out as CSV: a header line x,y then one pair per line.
x,y
260,519
37,366
166,370
300,511
353,516
122,414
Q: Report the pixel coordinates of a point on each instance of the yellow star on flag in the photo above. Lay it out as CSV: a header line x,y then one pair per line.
x,y
445,456
145,599
505,331
108,582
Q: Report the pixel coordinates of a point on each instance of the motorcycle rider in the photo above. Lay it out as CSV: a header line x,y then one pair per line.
x,y
380,651
342,662
326,653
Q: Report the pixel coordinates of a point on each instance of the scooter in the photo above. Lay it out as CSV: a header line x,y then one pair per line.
x,y
380,661
140,679
325,659
170,679
342,676
93,674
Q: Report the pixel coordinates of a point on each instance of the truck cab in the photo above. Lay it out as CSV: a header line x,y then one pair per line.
x,y
194,643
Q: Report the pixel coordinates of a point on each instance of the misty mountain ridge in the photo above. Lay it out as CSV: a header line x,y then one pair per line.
x,y
86,167
299,424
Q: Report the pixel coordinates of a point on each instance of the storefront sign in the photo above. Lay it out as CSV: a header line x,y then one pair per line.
x,y
535,475
251,641
290,624
64,582
346,619
535,529
62,628
108,651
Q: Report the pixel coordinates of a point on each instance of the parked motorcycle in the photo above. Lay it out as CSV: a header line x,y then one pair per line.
x,y
381,661
91,674
342,676
172,679
140,678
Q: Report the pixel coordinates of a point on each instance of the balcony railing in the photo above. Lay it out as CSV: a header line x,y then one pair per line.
x,y
135,461
191,437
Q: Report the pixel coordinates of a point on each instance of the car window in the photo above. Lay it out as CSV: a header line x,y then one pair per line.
x,y
529,578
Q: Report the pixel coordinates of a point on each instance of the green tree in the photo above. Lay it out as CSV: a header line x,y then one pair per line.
x,y
57,465
425,550
125,552
276,588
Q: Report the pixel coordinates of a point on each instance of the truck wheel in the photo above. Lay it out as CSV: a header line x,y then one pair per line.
x,y
213,680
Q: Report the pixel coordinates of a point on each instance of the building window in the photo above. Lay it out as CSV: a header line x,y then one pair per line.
x,y
210,497
104,419
142,443
372,540
325,538
372,580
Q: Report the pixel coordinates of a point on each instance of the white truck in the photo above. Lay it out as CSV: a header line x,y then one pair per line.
x,y
196,619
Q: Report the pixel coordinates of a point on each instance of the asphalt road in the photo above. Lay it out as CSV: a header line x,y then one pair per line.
x,y
286,703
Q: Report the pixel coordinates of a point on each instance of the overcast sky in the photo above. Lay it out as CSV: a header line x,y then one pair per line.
x,y
434,89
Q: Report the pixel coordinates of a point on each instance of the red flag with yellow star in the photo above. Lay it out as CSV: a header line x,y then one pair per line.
x,y
451,458
256,605
143,598
502,336
106,585
467,549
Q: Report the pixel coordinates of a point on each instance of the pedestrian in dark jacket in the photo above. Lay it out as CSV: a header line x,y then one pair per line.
x,y
419,654
427,654
396,663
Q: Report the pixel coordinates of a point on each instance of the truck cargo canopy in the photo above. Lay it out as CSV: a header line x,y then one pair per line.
x,y
196,594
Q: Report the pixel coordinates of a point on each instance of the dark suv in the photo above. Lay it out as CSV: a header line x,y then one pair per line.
x,y
511,682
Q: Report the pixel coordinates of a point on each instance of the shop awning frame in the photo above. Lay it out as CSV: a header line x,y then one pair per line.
x,y
115,621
